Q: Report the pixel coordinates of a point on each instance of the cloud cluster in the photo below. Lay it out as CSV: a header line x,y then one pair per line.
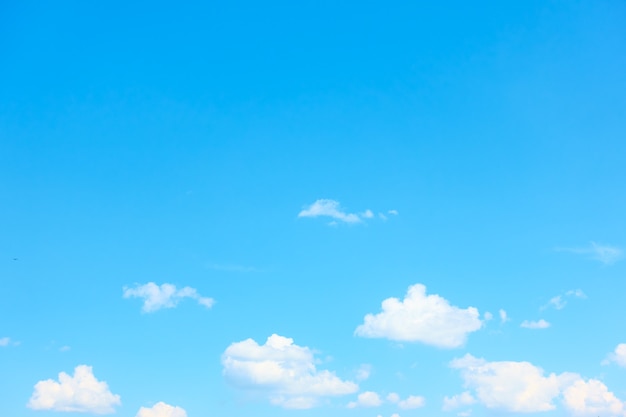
x,y
161,409
81,392
523,387
332,209
164,296
429,319
283,371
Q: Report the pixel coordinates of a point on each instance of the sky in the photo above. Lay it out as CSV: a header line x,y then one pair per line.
x,y
333,209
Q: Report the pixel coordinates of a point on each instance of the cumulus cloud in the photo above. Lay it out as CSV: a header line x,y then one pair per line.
x,y
540,324
457,401
523,387
332,209
161,409
366,399
164,296
81,392
603,253
592,398
412,401
618,356
283,371
429,319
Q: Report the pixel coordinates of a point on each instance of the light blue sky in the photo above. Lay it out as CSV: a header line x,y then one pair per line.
x,y
206,205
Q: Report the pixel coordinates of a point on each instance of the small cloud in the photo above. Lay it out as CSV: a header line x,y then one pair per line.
x,y
558,302
393,397
382,217
618,356
363,372
367,214
576,293
503,316
541,324
161,409
393,212
5,341
457,401
329,208
81,393
366,399
165,296
603,253
412,402
64,348
488,316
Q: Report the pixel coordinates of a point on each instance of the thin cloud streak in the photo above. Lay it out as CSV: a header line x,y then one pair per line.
x,y
605,254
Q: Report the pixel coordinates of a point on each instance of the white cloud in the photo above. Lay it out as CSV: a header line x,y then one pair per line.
x,y
5,341
81,392
457,401
366,399
393,212
592,398
161,409
509,386
413,401
618,356
503,316
488,316
428,319
395,415
392,397
367,214
541,324
282,370
165,296
363,372
603,253
329,208
558,302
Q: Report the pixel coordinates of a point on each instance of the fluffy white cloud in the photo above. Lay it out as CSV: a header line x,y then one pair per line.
x,y
283,370
429,319
523,387
366,399
329,208
602,253
591,398
618,356
81,392
457,401
413,401
541,324
164,296
509,386
161,409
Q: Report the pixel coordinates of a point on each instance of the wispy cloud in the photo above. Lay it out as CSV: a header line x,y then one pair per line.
x,y
157,297
540,324
503,316
333,209
603,253
558,302
7,341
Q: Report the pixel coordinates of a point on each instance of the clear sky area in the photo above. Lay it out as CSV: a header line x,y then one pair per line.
x,y
312,209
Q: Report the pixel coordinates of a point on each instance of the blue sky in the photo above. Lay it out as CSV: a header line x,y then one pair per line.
x,y
312,209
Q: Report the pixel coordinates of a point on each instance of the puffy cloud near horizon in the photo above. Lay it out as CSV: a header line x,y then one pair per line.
x,y
618,356
164,296
161,409
81,392
541,324
429,319
524,388
331,208
283,371
366,399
